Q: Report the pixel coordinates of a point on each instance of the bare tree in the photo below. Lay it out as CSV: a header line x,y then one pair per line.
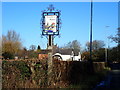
x,y
11,43
97,44
32,47
116,38
12,36
73,45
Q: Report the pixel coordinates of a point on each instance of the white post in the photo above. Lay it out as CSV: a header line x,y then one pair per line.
x,y
72,55
80,56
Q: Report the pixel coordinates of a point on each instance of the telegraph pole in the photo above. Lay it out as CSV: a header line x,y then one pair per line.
x,y
91,19
91,31
119,25
118,29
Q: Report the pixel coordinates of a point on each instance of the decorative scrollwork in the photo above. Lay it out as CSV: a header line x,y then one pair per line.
x,y
51,9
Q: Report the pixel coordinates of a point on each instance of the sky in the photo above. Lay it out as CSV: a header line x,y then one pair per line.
x,y
24,18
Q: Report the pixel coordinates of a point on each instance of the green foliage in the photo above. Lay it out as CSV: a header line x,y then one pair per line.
x,y
38,48
114,54
64,73
5,66
17,74
8,55
86,55
99,55
32,54
37,66
24,69
41,74
90,81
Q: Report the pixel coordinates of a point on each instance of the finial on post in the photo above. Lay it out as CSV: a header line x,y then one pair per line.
x,y
51,8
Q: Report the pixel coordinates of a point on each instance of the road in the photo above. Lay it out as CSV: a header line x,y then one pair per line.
x,y
112,81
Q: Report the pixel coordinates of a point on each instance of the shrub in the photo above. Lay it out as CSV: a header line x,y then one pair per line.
x,y
8,55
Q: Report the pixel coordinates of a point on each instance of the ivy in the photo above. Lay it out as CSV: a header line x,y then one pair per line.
x,y
24,69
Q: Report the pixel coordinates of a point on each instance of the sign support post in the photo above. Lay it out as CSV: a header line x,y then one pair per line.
x,y
50,62
50,27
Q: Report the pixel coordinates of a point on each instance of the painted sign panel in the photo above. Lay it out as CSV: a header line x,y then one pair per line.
x,y
50,23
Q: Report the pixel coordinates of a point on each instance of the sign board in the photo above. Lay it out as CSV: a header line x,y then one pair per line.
x,y
50,23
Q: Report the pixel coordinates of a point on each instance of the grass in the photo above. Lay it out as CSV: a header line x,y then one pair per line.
x,y
90,81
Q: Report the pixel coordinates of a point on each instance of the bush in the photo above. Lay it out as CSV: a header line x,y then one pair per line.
x,y
24,69
8,55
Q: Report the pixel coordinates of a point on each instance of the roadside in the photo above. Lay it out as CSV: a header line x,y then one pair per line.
x,y
89,82
112,81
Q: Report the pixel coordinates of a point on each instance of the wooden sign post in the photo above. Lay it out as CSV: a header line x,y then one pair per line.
x,y
50,28
49,61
